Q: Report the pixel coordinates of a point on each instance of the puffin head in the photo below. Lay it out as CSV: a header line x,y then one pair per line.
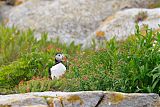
x,y
59,58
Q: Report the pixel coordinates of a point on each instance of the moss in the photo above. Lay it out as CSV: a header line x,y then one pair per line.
x,y
61,99
5,105
116,98
45,97
18,3
50,102
75,98
157,104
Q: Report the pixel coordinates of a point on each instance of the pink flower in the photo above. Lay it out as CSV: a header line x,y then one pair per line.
x,y
85,78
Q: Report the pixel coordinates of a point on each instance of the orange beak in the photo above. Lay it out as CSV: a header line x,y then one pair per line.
x,y
64,59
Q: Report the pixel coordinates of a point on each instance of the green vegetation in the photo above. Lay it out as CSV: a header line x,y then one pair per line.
x,y
132,65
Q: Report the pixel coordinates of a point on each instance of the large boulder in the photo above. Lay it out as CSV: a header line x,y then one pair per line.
x,y
80,99
122,24
70,20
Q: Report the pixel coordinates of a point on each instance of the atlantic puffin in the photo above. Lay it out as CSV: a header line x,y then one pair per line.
x,y
59,69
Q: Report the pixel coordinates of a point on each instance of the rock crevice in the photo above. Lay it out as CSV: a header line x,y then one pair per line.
x,y
100,100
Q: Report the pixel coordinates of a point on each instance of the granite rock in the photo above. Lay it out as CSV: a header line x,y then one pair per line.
x,y
80,99
69,20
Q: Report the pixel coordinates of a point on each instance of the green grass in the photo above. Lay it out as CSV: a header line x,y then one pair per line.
x,y
132,65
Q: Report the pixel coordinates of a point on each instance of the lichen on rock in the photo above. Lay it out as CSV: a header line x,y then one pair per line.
x,y
116,98
74,98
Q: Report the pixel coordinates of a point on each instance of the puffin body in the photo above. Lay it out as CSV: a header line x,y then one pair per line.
x,y
59,69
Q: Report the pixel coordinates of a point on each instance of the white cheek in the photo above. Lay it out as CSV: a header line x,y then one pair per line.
x,y
59,57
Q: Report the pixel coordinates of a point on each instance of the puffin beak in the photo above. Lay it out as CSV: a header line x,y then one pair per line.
x,y
64,59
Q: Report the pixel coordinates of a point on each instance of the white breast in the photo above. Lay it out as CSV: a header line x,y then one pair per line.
x,y
57,70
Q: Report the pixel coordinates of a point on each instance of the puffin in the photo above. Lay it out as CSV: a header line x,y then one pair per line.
x,y
58,69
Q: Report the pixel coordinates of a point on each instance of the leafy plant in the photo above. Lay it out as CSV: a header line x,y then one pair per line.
x,y
36,84
141,16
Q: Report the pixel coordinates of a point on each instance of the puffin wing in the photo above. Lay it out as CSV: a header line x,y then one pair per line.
x,y
57,70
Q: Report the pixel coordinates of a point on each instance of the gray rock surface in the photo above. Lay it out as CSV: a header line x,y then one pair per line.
x,y
70,20
74,99
122,24
3,8
80,99
22,100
